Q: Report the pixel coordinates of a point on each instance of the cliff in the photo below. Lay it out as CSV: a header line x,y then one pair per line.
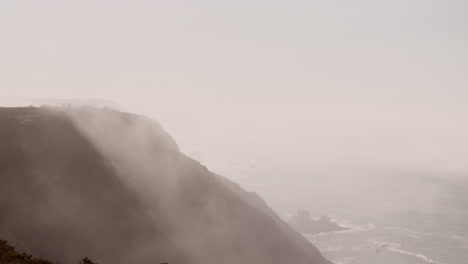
x,y
115,187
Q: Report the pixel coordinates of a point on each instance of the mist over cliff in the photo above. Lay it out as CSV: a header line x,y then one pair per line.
x,y
115,187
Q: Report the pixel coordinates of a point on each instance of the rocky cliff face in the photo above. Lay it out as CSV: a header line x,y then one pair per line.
x,y
115,187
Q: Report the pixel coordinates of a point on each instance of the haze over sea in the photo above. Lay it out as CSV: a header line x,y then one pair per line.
x,y
396,217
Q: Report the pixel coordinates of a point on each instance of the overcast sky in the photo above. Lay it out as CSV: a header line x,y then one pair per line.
x,y
359,83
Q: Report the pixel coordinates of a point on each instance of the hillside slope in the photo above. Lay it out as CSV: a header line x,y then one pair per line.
x,y
114,186
61,199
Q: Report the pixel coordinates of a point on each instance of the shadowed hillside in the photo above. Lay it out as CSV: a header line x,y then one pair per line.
x,y
114,186
60,198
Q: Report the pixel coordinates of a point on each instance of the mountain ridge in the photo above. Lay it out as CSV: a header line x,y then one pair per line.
x,y
117,186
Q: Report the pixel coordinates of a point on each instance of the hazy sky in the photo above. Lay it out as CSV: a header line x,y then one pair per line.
x,y
330,83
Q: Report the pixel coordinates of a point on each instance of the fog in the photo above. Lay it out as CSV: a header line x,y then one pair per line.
x,y
306,85
361,104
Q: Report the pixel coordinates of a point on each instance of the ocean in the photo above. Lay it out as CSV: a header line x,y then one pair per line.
x,y
395,218
435,233
391,243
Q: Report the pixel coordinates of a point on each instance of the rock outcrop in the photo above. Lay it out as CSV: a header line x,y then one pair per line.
x,y
304,224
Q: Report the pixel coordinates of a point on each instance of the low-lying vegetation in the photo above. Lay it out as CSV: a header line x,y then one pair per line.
x,y
8,255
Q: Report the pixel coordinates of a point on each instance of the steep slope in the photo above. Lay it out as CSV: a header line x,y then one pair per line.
x,y
256,201
61,199
115,187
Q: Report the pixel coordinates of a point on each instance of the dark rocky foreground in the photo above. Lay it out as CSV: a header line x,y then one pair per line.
x,y
115,187
8,255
